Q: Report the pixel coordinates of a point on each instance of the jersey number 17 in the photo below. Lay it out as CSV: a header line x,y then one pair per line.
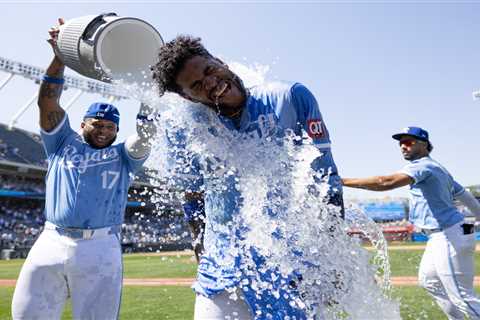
x,y
109,179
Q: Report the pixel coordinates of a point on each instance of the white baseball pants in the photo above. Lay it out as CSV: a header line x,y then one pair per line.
x,y
222,307
58,267
447,272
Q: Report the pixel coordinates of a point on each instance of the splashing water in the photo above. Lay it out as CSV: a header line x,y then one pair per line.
x,y
280,212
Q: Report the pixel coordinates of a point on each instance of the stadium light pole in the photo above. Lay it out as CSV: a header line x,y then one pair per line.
x,y
6,80
22,111
73,99
35,74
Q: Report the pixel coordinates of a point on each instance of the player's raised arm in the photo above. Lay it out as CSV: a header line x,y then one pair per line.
x,y
51,87
379,183
139,145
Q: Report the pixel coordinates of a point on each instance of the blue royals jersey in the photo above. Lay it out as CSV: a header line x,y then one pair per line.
x,y
432,195
85,187
270,110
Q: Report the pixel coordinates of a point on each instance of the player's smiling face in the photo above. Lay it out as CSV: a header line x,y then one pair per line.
x,y
99,133
209,81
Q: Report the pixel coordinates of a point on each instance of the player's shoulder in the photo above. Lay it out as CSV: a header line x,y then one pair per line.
x,y
423,164
281,91
272,89
428,162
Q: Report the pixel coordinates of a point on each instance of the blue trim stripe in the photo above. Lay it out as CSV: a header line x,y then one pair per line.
x,y
452,271
53,80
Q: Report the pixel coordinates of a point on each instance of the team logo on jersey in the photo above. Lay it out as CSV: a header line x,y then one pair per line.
x,y
266,125
72,158
315,129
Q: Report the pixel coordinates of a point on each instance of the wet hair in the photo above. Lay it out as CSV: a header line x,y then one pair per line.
x,y
171,59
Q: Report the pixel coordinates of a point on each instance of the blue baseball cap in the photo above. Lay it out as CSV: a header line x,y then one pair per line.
x,y
415,132
105,111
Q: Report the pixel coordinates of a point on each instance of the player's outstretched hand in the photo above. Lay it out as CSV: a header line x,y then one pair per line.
x,y
53,33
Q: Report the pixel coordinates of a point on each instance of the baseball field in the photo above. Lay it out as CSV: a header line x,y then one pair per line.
x,y
157,285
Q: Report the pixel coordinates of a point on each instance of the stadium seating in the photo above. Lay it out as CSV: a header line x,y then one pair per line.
x,y
148,226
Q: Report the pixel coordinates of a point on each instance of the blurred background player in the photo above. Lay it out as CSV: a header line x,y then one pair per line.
x,y
78,254
447,267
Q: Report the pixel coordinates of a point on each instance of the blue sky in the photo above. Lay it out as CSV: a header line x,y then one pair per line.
x,y
374,67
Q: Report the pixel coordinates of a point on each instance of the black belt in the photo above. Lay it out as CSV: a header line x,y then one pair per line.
x,y
468,228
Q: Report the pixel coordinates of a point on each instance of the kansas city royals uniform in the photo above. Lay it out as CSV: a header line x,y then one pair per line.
x,y
78,254
270,110
447,266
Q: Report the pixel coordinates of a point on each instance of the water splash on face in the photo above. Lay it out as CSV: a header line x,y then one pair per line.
x,y
217,104
278,214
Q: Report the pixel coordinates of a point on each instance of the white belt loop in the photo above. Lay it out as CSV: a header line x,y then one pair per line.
x,y
87,234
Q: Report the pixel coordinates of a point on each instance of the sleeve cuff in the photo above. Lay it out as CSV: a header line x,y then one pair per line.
x,y
408,173
57,128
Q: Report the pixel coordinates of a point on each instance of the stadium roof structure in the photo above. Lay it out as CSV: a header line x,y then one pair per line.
x,y
82,85
20,148
22,151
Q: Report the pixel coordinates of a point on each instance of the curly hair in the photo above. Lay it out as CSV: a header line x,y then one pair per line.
x,y
429,146
171,58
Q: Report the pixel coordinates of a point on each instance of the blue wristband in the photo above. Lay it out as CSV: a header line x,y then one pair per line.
x,y
48,79
193,210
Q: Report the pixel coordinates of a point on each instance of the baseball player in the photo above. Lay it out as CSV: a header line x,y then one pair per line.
x,y
447,267
78,255
187,68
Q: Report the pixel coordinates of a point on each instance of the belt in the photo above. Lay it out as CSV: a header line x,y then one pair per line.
x,y
468,228
83,234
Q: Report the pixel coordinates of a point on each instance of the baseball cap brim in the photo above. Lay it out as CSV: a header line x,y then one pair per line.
x,y
399,136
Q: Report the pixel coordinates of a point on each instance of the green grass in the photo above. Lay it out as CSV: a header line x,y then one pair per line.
x,y
406,262
146,303
6,294
410,244
9,269
142,266
176,303
403,263
135,266
416,303
168,302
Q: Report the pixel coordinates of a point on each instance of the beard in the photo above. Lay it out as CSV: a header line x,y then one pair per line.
x,y
413,156
88,139
227,110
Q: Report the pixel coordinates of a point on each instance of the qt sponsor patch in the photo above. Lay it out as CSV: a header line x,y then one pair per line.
x,y
315,129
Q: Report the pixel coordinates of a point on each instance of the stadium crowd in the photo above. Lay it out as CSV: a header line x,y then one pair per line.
x,y
21,221
17,183
150,232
